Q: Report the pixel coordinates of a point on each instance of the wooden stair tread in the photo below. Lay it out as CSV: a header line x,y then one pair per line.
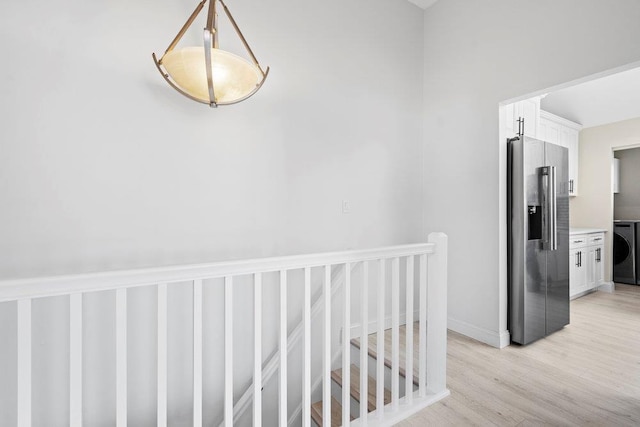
x,y
373,351
336,413
336,376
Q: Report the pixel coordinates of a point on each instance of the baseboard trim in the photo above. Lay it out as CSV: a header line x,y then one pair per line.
x,y
505,339
494,339
607,287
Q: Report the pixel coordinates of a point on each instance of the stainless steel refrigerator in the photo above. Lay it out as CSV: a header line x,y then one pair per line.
x,y
538,238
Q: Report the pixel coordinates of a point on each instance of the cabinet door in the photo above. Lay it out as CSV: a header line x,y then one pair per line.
x,y
592,261
573,272
599,266
553,134
566,134
529,110
577,271
571,136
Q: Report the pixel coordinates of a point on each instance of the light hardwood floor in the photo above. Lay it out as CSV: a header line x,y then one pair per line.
x,y
586,374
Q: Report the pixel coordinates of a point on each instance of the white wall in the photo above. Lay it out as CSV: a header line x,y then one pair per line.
x,y
478,54
593,207
103,166
626,203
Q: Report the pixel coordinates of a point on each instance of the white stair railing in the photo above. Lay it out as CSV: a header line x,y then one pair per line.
x,y
431,368
270,368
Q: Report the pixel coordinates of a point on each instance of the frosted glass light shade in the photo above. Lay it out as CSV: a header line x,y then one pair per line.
x,y
234,78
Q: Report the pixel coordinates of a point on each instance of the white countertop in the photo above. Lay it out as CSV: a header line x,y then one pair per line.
x,y
586,230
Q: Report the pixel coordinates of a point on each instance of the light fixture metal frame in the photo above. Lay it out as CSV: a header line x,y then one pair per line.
x,y
210,41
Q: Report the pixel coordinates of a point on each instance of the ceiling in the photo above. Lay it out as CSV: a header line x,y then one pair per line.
x,y
423,3
606,100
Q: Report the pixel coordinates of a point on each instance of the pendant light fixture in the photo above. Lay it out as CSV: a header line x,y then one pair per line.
x,y
209,74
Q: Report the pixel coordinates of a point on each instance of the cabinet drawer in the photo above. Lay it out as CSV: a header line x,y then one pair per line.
x,y
578,241
596,239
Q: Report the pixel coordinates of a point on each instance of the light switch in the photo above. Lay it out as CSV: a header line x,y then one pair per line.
x,y
346,207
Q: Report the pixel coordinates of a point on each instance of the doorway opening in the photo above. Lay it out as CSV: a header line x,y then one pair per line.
x,y
594,118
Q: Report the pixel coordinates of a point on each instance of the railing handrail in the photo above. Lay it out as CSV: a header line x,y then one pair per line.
x,y
418,267
38,287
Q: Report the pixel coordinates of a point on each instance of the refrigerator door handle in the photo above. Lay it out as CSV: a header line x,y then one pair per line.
x,y
549,195
553,210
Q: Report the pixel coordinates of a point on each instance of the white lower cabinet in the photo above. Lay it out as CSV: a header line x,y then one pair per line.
x,y
598,265
591,272
586,261
577,272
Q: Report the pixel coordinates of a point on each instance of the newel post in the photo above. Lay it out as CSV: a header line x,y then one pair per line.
x,y
437,315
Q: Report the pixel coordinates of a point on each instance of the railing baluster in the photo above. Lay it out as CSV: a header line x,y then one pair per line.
x,y
162,356
257,350
24,362
75,360
437,315
326,358
228,351
306,362
346,347
121,358
197,353
431,348
395,332
422,369
408,393
283,412
364,344
382,277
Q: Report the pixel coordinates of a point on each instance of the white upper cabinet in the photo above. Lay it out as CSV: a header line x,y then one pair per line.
x,y
529,110
557,130
547,127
